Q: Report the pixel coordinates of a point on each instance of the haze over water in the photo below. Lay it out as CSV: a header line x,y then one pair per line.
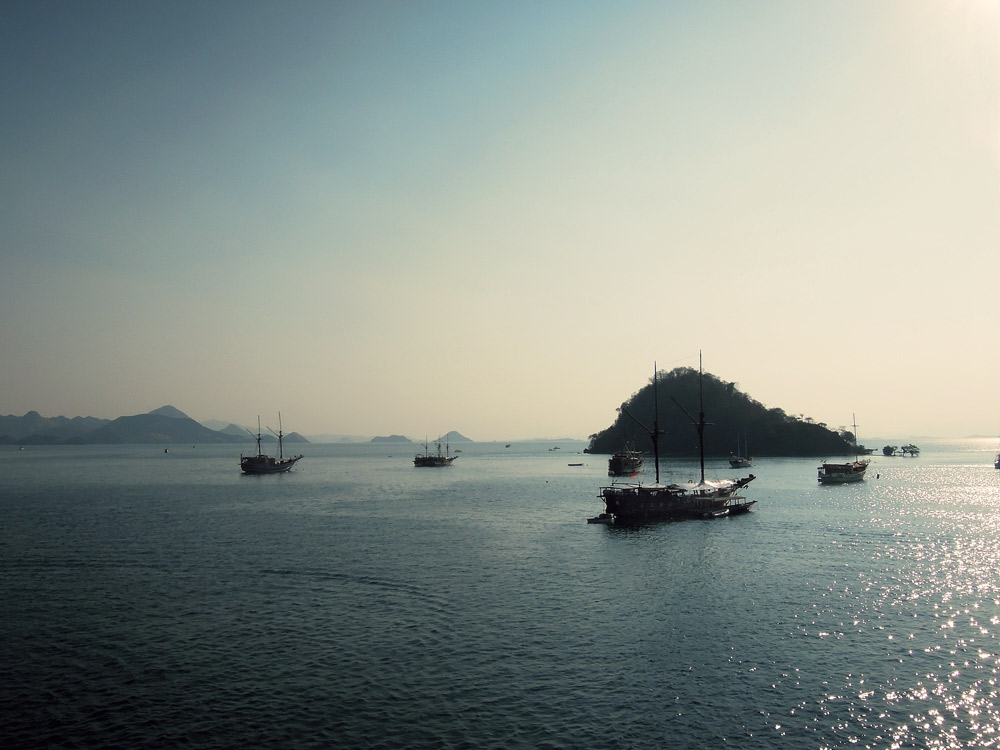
x,y
408,218
159,599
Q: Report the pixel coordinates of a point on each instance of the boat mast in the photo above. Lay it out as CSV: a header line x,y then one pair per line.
x,y
854,418
701,420
701,423
281,453
654,434
656,426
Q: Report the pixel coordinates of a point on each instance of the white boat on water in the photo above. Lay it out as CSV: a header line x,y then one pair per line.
x,y
852,471
842,473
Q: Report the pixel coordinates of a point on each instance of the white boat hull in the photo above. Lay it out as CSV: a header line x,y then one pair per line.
x,y
842,473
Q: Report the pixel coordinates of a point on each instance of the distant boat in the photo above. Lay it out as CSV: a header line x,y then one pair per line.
x,y
264,464
741,462
851,471
637,503
625,463
434,459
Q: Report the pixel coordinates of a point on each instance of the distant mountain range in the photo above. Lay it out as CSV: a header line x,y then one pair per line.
x,y
167,425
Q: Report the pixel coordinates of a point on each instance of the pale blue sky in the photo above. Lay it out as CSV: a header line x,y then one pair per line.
x,y
411,217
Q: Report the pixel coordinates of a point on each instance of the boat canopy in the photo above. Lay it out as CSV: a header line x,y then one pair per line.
x,y
705,484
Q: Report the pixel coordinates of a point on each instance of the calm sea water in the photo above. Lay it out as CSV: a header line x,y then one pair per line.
x,y
165,600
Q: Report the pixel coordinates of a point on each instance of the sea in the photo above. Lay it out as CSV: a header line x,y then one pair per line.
x,y
153,599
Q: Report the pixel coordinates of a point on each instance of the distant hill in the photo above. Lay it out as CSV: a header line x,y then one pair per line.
x,y
34,429
154,428
729,412
169,411
230,429
449,437
164,425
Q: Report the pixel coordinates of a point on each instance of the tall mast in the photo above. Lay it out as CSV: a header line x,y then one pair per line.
x,y
701,420
654,434
700,424
854,418
656,426
281,453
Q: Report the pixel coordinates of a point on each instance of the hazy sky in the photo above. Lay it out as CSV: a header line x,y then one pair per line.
x,y
410,217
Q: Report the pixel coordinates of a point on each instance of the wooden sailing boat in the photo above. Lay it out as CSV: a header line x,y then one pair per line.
x,y
264,464
852,471
434,459
740,461
636,503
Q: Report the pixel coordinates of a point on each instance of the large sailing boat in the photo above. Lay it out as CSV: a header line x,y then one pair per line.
x,y
636,503
434,459
851,471
264,464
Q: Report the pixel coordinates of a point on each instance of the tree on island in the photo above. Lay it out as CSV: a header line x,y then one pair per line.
x,y
730,414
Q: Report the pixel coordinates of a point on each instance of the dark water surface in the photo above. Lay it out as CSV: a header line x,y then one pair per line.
x,y
165,600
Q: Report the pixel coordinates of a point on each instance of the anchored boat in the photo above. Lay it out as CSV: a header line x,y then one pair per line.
x,y
637,503
738,461
625,463
851,471
264,464
434,459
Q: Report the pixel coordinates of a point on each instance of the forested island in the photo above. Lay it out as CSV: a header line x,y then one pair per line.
x,y
731,415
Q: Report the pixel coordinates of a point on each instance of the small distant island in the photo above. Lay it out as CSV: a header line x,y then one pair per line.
x,y
452,436
907,450
734,418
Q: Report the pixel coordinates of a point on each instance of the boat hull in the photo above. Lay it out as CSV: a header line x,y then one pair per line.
x,y
634,503
624,464
266,464
433,460
853,471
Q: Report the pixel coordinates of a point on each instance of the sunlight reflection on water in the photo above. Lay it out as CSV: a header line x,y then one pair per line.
x,y
364,602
